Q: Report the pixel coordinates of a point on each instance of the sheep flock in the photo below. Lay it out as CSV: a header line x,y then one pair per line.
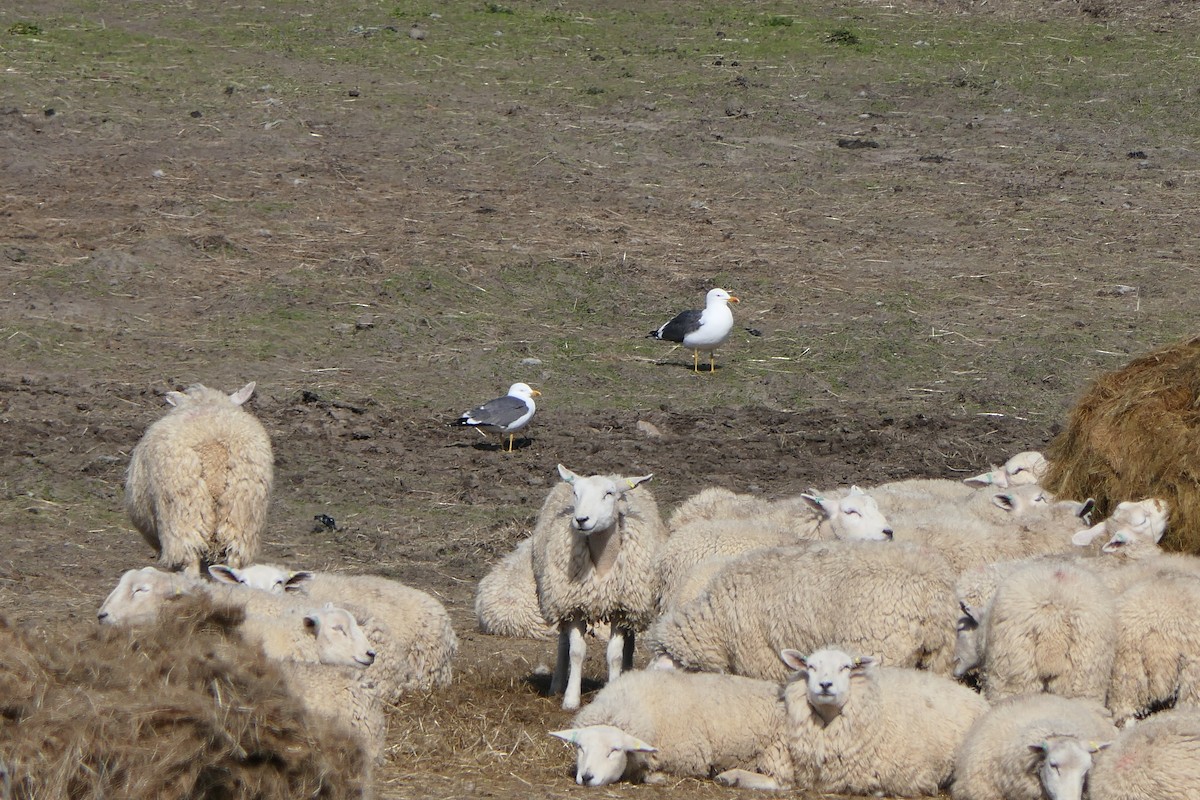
x,y
984,639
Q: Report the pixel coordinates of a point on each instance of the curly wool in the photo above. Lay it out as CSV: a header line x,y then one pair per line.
x,y
568,586
895,601
506,599
1157,758
896,735
199,481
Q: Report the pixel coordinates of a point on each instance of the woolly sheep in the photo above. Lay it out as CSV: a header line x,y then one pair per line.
x,y
1131,553
855,516
283,627
595,548
1157,759
894,600
409,630
646,724
199,481
716,502
1031,747
506,598
1022,469
857,728
1050,627
1156,662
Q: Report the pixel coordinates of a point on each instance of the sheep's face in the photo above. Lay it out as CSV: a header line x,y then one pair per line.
x,y
139,595
264,577
1024,501
828,675
597,499
1135,528
966,641
602,753
1061,764
340,640
855,516
1022,469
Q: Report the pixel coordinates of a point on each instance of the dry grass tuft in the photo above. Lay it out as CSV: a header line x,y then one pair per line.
x,y
182,709
1135,434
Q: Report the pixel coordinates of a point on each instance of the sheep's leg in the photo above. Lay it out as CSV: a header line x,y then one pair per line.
x,y
616,651
558,680
745,779
576,650
627,656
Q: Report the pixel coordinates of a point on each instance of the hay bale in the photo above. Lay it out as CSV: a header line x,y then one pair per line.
x,y
1135,434
182,709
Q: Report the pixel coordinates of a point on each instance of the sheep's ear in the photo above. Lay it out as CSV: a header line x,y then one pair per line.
x,y
862,664
638,481
1096,747
632,744
855,490
1005,501
817,503
1086,536
296,581
794,660
570,735
223,573
312,623
566,474
979,481
1039,748
242,394
174,398
970,612
1085,510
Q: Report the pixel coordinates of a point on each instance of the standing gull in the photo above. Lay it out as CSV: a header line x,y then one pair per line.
x,y
701,330
506,414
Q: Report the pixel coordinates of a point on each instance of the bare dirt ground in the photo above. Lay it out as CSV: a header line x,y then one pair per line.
x,y
383,227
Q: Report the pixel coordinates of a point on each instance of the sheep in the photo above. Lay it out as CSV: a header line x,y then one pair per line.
x,y
506,598
1024,468
1158,758
646,724
409,629
716,502
857,728
595,547
199,480
348,697
1156,662
855,516
1050,627
282,627
1031,747
894,600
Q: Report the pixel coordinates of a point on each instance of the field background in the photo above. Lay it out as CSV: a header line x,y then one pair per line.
x,y
942,218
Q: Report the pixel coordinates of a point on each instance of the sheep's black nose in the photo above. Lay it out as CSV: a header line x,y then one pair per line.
x,y
888,533
585,779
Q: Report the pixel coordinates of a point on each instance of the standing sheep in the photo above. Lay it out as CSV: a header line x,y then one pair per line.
x,y
646,724
199,481
595,546
410,630
1157,759
1031,747
894,600
1051,627
856,728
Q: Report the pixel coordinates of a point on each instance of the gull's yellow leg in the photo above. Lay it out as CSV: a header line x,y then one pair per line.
x,y
696,361
510,441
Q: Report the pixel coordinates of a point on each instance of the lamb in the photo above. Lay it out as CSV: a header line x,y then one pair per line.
x,y
595,548
1158,758
646,724
1050,627
854,516
1031,747
409,629
1022,469
894,600
199,480
283,628
506,598
857,728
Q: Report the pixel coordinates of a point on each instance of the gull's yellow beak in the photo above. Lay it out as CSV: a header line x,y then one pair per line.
x,y
536,393
733,299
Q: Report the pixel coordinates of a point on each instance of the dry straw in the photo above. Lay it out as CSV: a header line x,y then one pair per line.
x,y
181,710
1135,434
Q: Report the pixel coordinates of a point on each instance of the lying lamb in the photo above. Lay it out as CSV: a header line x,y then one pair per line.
x,y
645,725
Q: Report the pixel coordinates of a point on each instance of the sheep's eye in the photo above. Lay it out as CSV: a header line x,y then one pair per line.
x,y
612,753
140,589
853,512
1018,470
